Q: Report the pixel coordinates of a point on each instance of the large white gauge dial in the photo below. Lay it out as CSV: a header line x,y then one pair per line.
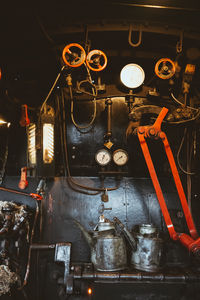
x,y
103,157
120,157
132,76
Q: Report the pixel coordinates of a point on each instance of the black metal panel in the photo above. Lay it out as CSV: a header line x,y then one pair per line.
x,y
154,291
133,203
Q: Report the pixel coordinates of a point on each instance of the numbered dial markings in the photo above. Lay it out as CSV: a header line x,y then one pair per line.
x,y
120,157
103,157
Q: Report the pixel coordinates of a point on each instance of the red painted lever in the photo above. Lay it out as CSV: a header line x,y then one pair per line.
x,y
154,131
24,116
23,180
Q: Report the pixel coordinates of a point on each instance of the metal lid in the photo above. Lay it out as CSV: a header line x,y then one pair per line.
x,y
105,224
147,229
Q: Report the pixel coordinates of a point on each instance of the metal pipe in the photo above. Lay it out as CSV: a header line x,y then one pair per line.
x,y
140,276
109,118
156,6
42,246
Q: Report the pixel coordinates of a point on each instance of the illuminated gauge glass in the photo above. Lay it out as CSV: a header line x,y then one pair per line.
x,y
103,157
132,76
120,157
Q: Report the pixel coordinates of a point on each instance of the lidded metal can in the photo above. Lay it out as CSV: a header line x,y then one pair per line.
x,y
148,254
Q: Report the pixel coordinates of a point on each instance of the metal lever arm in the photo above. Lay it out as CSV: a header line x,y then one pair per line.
x,y
154,131
157,187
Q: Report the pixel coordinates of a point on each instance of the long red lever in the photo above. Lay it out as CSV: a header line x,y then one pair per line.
x,y
157,187
154,131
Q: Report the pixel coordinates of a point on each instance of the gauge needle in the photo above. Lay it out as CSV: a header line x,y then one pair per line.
x,y
119,158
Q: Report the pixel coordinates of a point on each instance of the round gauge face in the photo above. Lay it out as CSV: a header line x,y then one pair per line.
x,y
120,157
103,157
132,76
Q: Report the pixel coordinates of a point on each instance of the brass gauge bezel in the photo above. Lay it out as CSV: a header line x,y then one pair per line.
x,y
120,160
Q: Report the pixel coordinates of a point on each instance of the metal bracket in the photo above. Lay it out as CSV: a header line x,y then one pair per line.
x,y
62,254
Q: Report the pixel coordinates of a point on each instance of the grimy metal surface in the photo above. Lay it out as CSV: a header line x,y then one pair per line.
x,y
133,203
107,247
149,250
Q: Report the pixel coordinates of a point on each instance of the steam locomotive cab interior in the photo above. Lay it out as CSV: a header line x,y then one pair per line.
x,y
99,152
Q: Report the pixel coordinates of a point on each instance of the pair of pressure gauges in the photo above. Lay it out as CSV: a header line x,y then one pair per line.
x,y
103,157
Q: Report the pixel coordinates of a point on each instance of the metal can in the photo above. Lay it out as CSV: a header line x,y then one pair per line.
x,y
148,254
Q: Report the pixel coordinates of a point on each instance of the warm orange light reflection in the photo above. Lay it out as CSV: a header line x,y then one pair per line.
x,y
32,143
89,291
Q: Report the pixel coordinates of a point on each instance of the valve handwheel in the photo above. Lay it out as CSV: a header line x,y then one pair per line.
x,y
74,55
96,60
165,68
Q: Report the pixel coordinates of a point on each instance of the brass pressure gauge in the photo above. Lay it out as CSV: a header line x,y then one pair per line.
x,y
103,157
120,157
